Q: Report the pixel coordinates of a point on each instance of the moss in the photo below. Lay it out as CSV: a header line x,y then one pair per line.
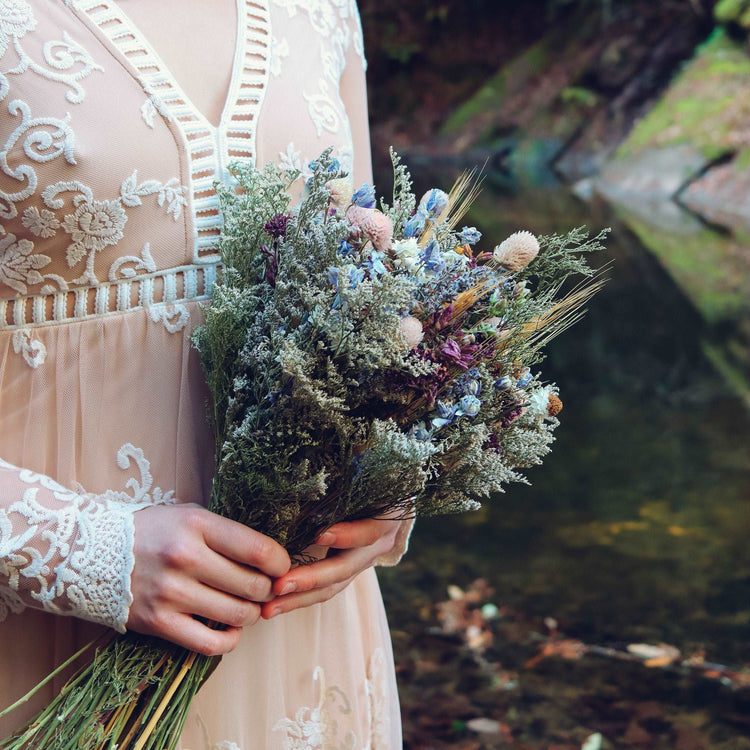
x,y
706,105
701,265
733,11
512,76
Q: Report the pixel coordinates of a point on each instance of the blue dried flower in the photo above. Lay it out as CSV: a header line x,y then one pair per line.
x,y
414,227
364,196
525,378
469,405
345,249
470,235
503,383
432,257
420,431
433,204
375,264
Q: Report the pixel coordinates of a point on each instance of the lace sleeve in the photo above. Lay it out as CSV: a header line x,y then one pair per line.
x,y
64,552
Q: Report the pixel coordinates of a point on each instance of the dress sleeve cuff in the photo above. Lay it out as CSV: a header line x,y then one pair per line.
x,y
399,548
103,563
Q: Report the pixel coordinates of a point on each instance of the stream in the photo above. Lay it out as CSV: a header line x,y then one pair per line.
x,y
637,527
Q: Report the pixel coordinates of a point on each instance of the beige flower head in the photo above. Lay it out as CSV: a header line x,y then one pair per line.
x,y
517,251
341,191
411,330
375,225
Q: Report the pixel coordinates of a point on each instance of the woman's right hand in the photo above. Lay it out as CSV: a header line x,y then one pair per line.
x,y
189,561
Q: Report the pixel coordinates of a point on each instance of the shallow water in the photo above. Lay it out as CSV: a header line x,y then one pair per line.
x,y
637,526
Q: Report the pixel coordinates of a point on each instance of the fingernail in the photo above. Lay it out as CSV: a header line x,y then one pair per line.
x,y
273,612
291,586
327,539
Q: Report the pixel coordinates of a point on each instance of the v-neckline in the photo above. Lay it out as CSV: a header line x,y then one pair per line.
x,y
209,148
240,45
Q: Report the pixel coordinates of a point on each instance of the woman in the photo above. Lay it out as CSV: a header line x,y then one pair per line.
x,y
115,120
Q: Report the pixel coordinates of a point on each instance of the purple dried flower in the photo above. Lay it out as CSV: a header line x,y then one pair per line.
x,y
276,227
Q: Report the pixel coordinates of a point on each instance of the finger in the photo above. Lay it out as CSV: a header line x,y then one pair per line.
x,y
349,534
187,632
225,575
214,605
284,604
326,572
244,545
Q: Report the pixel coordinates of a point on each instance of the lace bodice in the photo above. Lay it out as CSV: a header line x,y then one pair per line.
x,y
108,243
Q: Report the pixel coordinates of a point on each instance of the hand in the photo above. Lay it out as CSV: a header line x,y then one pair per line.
x,y
360,544
188,562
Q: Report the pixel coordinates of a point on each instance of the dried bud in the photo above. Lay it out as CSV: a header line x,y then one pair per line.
x,y
517,251
411,330
340,190
554,405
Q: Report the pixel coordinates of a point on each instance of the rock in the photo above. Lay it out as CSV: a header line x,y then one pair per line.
x,y
722,195
645,184
483,725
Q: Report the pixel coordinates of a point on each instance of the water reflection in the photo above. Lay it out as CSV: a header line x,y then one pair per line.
x,y
637,526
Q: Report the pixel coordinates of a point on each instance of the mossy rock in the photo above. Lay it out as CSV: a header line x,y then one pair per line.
x,y
706,105
733,12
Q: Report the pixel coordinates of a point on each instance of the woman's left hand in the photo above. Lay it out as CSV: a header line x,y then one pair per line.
x,y
355,546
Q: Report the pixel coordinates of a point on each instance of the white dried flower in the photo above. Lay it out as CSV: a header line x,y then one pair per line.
x,y
341,191
411,330
517,251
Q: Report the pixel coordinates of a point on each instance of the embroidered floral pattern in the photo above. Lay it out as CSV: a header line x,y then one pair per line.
x,y
18,265
316,728
42,224
16,19
279,50
33,350
61,57
71,553
173,317
94,226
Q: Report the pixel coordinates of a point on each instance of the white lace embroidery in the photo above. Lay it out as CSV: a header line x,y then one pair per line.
x,y
173,317
75,559
33,350
60,57
43,139
96,224
317,729
279,50
376,687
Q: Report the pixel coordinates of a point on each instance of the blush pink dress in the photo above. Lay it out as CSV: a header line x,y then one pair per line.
x,y
107,250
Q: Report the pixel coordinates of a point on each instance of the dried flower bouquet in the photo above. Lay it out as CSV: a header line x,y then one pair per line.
x,y
363,362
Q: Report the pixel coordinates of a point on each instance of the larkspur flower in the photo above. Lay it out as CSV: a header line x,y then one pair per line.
x,y
503,384
364,196
524,378
470,235
469,405
414,226
375,263
434,204
432,258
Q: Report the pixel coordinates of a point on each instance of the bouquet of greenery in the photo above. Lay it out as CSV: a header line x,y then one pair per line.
x,y
363,363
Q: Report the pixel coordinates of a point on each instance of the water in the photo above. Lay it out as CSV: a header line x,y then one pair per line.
x,y
637,527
